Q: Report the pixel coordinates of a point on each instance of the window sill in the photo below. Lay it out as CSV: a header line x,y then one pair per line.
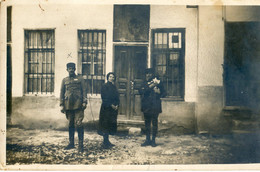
x,y
173,99
39,94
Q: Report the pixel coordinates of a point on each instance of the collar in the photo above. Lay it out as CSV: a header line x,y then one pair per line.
x,y
72,76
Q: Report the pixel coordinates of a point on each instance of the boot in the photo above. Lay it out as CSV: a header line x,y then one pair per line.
x,y
147,141
71,139
106,143
81,138
153,144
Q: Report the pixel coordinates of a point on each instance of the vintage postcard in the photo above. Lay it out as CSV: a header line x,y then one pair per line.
x,y
129,85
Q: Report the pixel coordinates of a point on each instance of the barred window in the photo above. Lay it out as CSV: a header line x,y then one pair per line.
x,y
39,61
92,56
168,59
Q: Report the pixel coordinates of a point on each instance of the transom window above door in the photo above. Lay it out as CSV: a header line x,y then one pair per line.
x,y
92,57
168,48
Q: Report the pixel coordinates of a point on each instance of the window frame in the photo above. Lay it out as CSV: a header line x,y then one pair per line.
x,y
167,51
39,49
95,49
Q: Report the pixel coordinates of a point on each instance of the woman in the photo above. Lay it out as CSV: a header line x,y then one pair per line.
x,y
108,110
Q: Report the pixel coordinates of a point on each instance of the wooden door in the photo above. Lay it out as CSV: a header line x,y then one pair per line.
x,y
130,64
241,64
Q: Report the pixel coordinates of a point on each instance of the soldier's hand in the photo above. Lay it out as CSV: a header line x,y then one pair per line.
x,y
84,106
62,109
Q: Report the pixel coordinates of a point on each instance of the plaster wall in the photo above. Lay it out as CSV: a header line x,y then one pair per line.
x,y
210,80
166,16
66,20
210,104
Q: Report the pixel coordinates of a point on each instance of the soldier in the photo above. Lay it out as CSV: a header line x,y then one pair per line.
x,y
152,90
73,102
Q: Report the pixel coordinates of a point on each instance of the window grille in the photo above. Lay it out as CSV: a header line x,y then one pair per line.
x,y
39,61
168,59
92,55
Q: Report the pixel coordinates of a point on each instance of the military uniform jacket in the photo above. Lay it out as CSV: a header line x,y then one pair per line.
x,y
73,93
151,101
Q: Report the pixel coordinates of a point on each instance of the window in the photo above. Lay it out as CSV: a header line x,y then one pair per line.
x,y
168,60
92,55
39,61
131,23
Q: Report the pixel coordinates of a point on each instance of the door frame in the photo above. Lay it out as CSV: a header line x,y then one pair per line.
x,y
146,45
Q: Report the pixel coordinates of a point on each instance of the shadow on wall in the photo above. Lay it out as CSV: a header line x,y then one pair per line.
x,y
44,113
177,117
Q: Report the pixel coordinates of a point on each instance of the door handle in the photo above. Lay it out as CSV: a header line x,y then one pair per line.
x,y
132,85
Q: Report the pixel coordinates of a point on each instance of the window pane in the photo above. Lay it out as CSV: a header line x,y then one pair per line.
x,y
161,70
100,40
160,36
98,69
95,41
89,56
161,59
86,69
50,86
39,61
156,40
180,37
168,61
104,41
164,41
93,58
174,58
97,86
90,40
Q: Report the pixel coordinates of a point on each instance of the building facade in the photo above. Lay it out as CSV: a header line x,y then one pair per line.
x,y
191,48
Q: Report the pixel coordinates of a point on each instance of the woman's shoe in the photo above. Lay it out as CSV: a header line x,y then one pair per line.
x,y
110,144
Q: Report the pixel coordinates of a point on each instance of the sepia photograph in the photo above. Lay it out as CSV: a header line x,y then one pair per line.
x,y
129,85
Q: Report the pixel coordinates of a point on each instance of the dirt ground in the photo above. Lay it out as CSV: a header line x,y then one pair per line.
x,y
47,147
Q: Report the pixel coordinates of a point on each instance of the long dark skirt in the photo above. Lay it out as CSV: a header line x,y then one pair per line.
x,y
107,121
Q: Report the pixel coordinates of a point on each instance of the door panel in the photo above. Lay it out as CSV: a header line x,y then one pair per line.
x,y
121,68
130,62
137,77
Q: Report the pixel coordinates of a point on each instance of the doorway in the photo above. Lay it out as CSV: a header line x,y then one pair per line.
x,y
130,63
241,64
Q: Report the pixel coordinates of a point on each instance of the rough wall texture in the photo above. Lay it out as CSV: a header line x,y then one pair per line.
x,y
66,20
178,115
209,110
44,112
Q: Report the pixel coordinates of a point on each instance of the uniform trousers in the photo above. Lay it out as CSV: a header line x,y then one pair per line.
x,y
75,118
151,118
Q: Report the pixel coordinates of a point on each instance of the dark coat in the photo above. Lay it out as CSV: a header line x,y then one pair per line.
x,y
151,101
108,116
73,93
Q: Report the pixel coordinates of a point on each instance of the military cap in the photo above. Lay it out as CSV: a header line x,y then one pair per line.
x,y
71,65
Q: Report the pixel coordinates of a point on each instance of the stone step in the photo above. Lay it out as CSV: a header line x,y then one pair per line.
x,y
245,126
237,112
